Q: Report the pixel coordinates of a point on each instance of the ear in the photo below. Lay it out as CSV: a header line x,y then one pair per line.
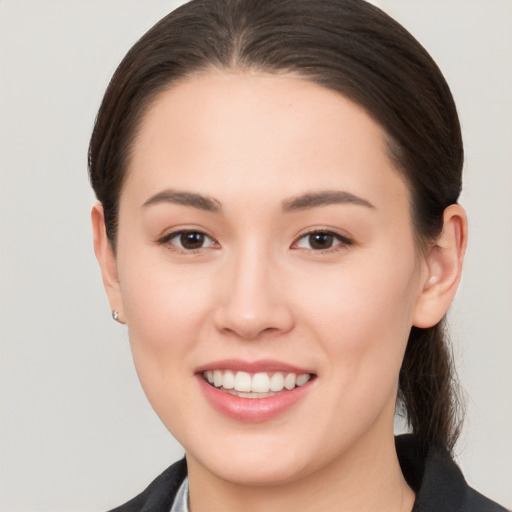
x,y
443,263
107,260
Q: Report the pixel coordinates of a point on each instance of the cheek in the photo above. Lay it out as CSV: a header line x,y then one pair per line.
x,y
362,314
166,312
363,323
166,308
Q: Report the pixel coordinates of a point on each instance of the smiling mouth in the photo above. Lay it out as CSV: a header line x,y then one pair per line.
x,y
255,385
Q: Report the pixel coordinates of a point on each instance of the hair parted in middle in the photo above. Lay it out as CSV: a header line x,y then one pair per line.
x,y
348,46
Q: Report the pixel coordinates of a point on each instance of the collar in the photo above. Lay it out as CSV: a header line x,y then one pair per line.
x,y
434,477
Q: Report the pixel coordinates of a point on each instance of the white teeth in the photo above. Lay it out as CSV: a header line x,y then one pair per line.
x,y
290,380
217,378
302,379
242,381
277,382
229,380
260,382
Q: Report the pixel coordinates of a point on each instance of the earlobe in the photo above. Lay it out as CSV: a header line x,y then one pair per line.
x,y
106,258
443,264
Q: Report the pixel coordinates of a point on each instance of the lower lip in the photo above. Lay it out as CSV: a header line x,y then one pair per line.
x,y
252,409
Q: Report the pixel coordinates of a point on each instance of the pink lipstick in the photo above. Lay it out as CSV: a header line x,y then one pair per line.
x,y
253,391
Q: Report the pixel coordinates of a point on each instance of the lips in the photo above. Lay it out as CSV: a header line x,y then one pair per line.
x,y
253,391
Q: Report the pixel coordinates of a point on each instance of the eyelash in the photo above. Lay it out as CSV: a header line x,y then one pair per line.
x,y
166,240
343,241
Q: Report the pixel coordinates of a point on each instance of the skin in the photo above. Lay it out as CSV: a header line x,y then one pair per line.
x,y
257,289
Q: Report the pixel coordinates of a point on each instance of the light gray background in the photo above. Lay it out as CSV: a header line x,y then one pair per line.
x,y
76,431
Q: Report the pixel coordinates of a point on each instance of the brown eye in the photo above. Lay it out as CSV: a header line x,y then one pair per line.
x,y
322,241
187,241
192,240
319,241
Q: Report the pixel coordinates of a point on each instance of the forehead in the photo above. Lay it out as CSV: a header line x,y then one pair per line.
x,y
224,133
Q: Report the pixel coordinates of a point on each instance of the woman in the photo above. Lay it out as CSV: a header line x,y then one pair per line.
x,y
278,227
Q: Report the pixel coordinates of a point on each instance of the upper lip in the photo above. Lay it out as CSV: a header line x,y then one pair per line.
x,y
260,365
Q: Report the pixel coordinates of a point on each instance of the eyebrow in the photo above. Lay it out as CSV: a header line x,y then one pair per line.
x,y
302,202
323,198
186,199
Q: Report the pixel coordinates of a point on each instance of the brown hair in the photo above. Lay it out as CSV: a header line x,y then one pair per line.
x,y
351,47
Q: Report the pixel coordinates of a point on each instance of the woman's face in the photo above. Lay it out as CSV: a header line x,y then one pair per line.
x,y
264,232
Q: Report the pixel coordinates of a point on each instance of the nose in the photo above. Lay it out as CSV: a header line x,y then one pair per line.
x,y
253,300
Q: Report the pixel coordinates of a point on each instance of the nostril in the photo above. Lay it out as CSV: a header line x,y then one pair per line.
x,y
249,313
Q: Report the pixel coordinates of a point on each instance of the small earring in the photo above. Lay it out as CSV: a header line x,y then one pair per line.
x,y
115,315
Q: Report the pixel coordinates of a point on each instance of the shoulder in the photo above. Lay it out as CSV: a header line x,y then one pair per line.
x,y
438,481
160,493
478,503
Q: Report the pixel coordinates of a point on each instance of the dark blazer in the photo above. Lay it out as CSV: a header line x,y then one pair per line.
x,y
435,478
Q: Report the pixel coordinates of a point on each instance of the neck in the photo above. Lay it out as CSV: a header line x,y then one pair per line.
x,y
363,480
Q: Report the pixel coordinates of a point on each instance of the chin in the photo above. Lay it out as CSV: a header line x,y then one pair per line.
x,y
256,460
253,471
